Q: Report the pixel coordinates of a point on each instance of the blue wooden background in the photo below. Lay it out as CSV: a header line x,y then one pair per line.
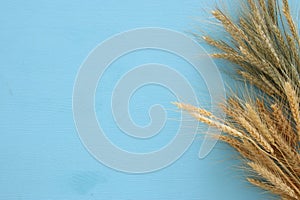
x,y
42,45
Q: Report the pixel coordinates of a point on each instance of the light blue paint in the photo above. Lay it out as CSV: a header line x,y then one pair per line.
x,y
43,44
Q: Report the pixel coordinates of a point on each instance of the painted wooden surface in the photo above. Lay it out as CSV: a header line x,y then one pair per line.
x,y
43,44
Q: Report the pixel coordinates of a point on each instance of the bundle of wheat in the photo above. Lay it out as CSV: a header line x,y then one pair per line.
x,y
265,130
